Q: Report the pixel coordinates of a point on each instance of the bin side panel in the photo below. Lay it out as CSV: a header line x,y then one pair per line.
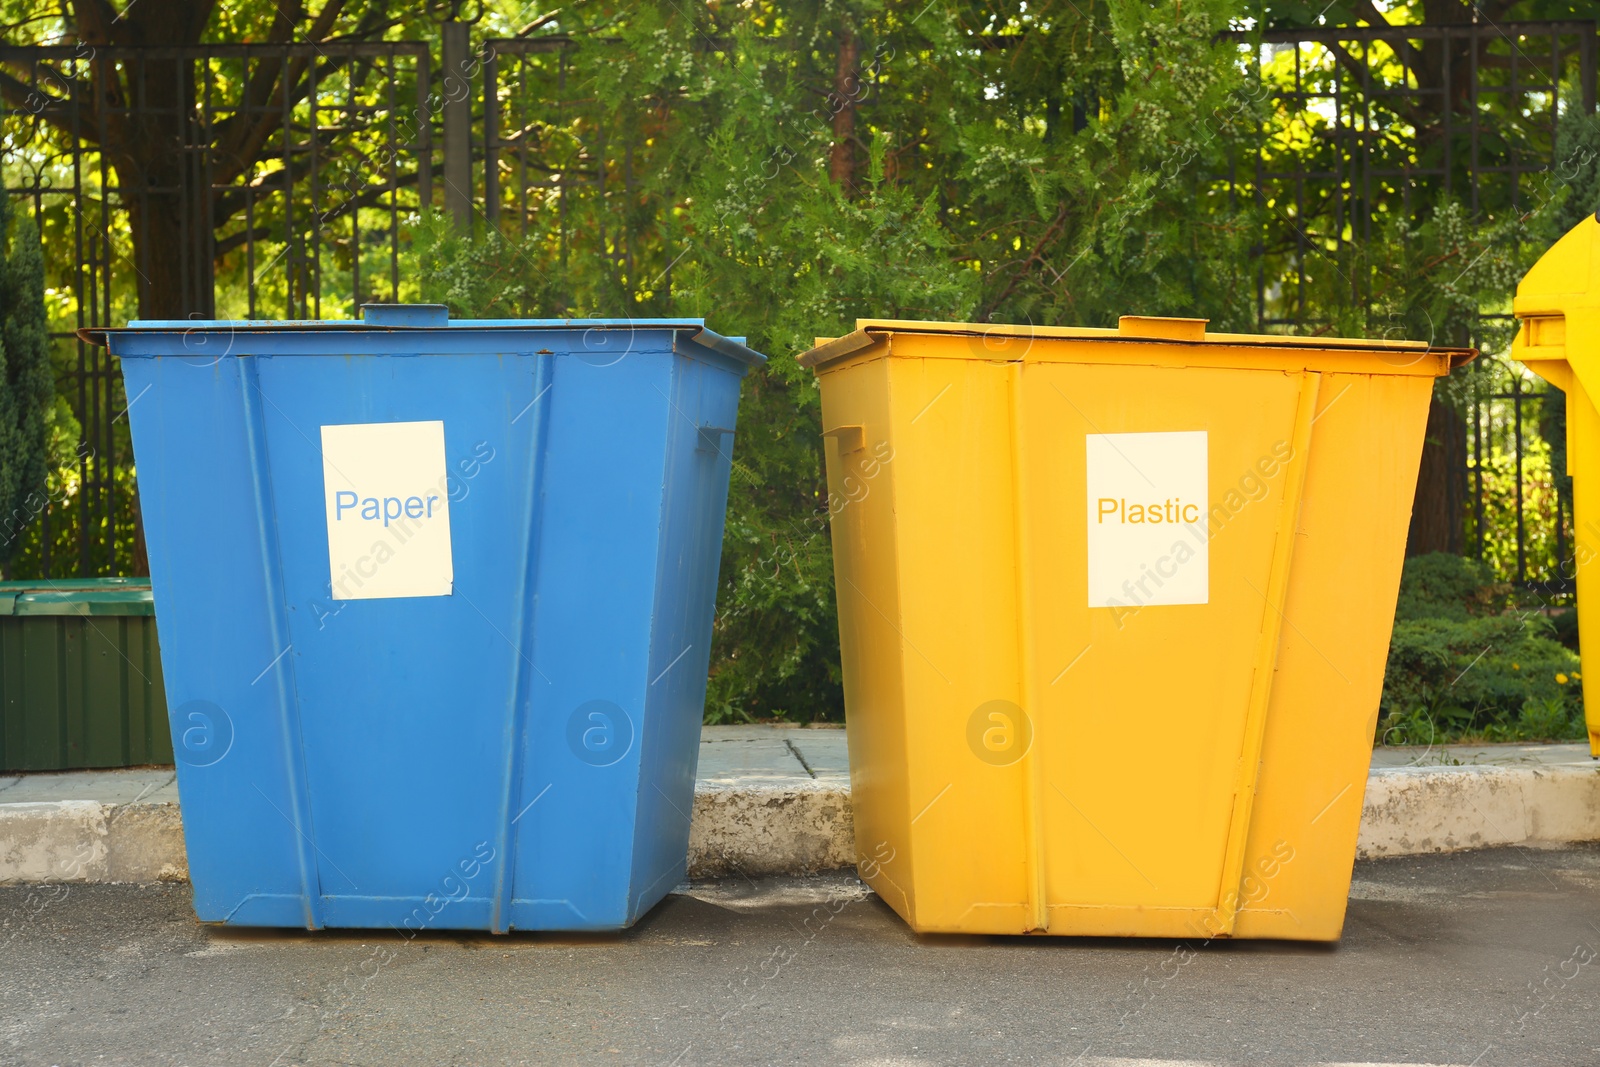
x,y
51,740
405,702
595,580
213,603
705,402
1141,705
956,494
151,703
862,529
1365,451
104,740
74,691
34,726
80,692
28,675
955,580
1583,462
13,693
136,636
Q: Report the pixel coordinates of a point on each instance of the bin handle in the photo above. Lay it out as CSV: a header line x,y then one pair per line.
x,y
711,438
850,438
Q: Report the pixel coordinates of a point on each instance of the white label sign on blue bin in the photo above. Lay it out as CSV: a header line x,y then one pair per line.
x,y
388,510
1147,519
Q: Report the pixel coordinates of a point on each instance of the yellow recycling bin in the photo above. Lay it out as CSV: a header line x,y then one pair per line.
x,y
1559,340
1114,607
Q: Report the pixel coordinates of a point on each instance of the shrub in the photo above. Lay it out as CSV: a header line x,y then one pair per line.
x,y
1566,624
1460,665
1440,585
27,388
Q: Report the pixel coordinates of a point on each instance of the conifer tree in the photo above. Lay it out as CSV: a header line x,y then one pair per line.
x,y
27,388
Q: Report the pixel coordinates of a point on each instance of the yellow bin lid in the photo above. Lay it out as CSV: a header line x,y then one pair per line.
x,y
1558,302
1149,339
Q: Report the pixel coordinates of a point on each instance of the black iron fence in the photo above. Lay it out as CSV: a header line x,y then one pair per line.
x,y
237,181
1385,123
244,181
1382,121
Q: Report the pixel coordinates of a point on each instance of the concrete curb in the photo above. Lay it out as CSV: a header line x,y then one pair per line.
x,y
770,830
88,841
800,826
1414,810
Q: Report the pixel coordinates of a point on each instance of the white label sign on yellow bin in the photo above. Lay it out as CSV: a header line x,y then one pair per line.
x,y
388,511
1147,519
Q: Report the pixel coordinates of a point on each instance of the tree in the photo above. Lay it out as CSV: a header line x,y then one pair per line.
x,y
1424,93
183,181
27,388
783,168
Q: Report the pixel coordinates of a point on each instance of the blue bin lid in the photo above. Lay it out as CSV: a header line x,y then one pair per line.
x,y
419,318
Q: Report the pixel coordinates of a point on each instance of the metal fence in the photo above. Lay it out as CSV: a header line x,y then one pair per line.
x,y
1384,121
562,172
548,159
239,181
271,177
1395,140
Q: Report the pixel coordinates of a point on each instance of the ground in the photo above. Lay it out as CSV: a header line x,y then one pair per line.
x,y
1479,958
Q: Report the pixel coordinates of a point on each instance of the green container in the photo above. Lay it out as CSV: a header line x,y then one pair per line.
x,y
80,676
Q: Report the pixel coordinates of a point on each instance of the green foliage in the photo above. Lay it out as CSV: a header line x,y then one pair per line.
x,y
487,275
775,644
1068,178
1573,187
1469,676
1126,214
782,272
1499,501
1461,666
1565,622
1439,275
1548,719
27,389
807,260
1440,585
1056,164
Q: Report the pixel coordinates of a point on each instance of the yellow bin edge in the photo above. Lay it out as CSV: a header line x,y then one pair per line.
x,y
1558,338
1010,878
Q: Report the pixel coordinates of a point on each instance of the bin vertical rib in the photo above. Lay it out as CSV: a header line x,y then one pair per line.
x,y
516,738
1032,826
255,430
1266,660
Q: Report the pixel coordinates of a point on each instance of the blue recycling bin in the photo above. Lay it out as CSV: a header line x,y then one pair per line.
x,y
435,602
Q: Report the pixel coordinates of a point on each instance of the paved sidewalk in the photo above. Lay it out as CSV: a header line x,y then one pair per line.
x,y
1483,756
731,757
756,757
140,785
771,800
763,756
775,800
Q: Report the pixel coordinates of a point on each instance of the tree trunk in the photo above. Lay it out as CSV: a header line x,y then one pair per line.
x,y
171,242
159,162
151,139
846,92
1436,512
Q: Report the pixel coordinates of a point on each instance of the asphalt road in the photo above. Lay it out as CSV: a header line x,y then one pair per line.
x,y
1486,958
